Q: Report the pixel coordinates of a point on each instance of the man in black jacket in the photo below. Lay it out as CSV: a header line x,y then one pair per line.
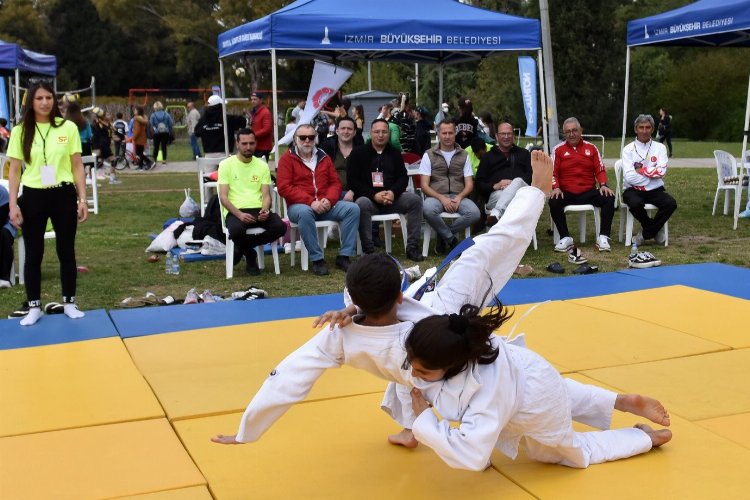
x,y
377,176
339,147
502,171
210,129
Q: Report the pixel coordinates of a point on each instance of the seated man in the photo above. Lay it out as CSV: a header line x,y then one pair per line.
x,y
377,175
578,169
447,181
245,194
644,165
502,172
339,147
307,180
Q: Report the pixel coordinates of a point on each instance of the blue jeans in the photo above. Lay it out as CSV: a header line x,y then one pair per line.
x,y
194,145
345,213
468,211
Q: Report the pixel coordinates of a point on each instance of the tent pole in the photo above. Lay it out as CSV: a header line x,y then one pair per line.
x,y
416,84
540,64
223,107
744,167
440,88
18,97
275,104
93,91
625,103
369,75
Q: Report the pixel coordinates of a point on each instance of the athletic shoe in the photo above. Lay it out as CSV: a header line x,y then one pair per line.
x,y
343,262
602,243
54,308
115,181
20,312
4,284
745,214
643,260
638,238
490,221
661,236
319,268
564,244
575,256
191,297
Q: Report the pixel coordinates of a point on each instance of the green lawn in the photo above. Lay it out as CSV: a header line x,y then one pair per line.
x,y
111,245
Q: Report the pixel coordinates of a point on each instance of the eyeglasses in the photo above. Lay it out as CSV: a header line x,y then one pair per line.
x,y
571,131
304,138
505,134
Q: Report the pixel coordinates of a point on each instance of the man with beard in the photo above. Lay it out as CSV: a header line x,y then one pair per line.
x,y
339,147
245,194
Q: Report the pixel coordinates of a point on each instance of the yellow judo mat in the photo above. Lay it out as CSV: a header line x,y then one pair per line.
x,y
133,418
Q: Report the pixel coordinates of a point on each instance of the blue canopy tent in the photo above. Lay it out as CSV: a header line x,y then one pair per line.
x,y
419,31
706,23
14,59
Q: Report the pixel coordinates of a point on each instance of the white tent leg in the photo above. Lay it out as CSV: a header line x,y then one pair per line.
x,y
440,87
540,64
18,98
744,167
625,103
224,107
275,119
369,75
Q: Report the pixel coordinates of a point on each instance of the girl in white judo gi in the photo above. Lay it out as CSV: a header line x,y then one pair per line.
x,y
498,392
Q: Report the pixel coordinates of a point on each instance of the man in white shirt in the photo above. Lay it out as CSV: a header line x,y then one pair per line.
x,y
644,165
447,180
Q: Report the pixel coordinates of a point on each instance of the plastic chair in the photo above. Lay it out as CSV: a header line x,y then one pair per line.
x,y
259,251
582,211
206,166
411,161
93,201
387,220
427,231
626,218
322,227
729,181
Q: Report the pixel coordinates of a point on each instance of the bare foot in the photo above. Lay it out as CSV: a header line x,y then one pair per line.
x,y
643,406
404,438
659,437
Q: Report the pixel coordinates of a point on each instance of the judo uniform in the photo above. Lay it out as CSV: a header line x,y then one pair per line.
x,y
519,396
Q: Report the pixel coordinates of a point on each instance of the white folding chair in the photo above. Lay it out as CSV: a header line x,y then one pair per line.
x,y
427,231
259,250
206,166
582,211
322,227
93,200
387,220
730,181
626,218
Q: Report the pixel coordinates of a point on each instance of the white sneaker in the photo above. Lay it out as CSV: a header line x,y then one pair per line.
x,y
602,243
576,257
564,244
638,238
643,260
661,236
4,284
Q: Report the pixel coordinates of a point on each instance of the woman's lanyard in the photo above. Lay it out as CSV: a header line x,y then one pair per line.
x,y
44,141
48,173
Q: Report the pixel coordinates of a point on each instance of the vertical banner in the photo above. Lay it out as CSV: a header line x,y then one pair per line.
x,y
4,109
527,76
326,80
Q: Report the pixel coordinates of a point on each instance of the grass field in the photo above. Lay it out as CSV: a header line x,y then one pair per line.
x,y
111,245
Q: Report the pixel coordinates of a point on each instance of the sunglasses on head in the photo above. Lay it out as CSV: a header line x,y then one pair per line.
x,y
304,138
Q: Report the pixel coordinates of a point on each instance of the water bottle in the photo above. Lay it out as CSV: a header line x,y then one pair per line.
x,y
168,263
176,265
633,250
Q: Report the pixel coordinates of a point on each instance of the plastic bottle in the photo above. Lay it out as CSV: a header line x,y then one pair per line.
x,y
633,250
168,263
176,265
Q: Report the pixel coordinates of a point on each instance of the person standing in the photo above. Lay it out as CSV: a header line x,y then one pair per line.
x,y
139,139
73,113
54,188
162,129
262,124
664,132
192,120
467,126
210,128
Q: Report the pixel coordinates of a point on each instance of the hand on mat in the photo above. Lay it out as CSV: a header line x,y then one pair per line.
x,y
335,318
222,439
418,402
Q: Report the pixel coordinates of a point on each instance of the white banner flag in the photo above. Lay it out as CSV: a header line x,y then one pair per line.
x,y
326,80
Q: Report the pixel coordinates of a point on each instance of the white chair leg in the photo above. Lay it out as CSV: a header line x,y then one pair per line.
x,y
404,232
582,227
427,234
388,232
555,232
275,255
623,215
293,244
716,200
229,259
533,240
260,254
726,202
629,229
597,223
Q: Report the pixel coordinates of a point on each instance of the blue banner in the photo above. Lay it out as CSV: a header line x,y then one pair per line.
x,y
527,76
4,111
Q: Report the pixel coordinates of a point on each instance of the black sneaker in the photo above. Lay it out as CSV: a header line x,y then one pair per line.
x,y
440,246
252,263
414,254
342,262
20,312
320,268
54,308
490,221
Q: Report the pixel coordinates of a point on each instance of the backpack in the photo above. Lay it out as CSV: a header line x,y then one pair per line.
x,y
120,126
161,126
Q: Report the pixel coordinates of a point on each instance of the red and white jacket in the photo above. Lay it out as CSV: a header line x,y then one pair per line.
x,y
644,165
577,168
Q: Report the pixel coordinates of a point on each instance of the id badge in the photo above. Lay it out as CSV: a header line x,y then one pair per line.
x,y
377,179
49,175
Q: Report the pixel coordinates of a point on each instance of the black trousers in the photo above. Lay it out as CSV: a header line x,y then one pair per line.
x,y
58,204
592,197
636,200
274,229
160,142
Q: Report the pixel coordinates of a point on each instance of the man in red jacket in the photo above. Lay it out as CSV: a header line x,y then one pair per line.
x,y
262,125
578,169
308,181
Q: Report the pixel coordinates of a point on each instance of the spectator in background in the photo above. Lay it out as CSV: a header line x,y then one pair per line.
x,y
339,147
7,236
121,132
476,151
406,125
487,127
394,132
162,128
140,138
291,126
101,142
441,115
261,123
73,113
422,138
4,135
359,122
664,132
210,129
467,125
193,117
298,109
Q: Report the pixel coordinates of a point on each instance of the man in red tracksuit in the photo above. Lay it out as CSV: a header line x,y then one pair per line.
x,y
262,125
578,169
